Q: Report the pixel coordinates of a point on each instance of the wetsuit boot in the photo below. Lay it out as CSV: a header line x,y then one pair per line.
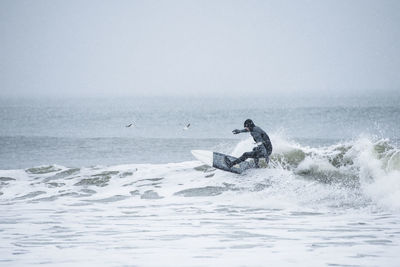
x,y
230,163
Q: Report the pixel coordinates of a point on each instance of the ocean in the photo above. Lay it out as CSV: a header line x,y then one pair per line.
x,y
79,188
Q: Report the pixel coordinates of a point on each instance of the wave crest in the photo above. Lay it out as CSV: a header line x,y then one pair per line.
x,y
347,173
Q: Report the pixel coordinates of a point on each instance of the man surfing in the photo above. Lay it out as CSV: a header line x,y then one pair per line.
x,y
262,150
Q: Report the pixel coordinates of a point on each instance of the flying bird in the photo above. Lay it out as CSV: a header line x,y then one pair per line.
x,y
186,127
129,125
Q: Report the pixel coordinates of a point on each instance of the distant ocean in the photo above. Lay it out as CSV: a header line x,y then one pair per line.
x,y
79,188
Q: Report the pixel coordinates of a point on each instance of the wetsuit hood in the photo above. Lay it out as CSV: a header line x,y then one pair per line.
x,y
249,124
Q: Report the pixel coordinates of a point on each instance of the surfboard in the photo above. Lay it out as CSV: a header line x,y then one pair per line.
x,y
217,160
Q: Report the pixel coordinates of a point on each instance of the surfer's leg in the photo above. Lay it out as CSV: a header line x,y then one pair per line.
x,y
243,157
256,162
262,153
269,152
259,154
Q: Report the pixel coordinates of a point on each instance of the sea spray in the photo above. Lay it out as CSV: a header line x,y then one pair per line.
x,y
378,171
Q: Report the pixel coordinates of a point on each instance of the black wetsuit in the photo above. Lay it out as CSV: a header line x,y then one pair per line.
x,y
263,148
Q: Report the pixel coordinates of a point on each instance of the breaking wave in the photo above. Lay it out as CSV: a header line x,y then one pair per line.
x,y
354,174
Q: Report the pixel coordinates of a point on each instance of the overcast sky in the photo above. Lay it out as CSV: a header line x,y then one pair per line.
x,y
196,48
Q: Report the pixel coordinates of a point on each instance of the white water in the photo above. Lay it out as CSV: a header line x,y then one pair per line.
x,y
336,205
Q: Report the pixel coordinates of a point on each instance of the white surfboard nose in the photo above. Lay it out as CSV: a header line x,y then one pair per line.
x,y
204,156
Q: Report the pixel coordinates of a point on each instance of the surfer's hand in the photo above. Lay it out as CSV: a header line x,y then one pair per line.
x,y
236,131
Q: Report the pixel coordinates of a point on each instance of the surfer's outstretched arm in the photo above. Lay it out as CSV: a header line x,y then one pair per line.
x,y
237,131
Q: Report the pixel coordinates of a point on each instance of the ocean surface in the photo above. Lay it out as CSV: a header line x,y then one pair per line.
x,y
79,188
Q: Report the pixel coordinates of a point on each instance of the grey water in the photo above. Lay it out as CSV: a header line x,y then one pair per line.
x,y
79,188
91,131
